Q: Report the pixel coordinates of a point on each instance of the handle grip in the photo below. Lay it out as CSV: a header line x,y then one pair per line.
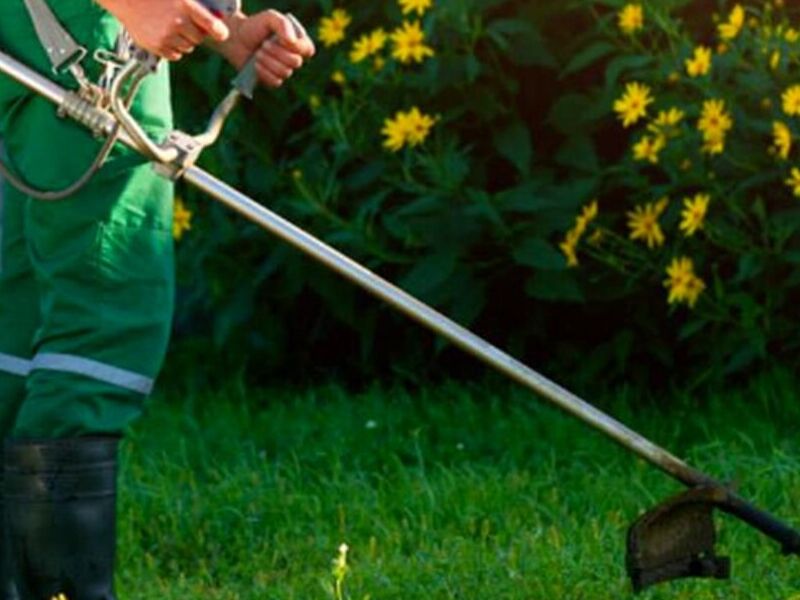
x,y
222,7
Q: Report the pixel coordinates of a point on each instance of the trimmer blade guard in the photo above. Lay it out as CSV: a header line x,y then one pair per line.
x,y
676,540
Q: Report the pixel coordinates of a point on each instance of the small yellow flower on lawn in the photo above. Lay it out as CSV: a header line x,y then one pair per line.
x,y
332,28
368,45
731,28
644,225
700,63
648,148
791,101
181,219
775,60
338,77
783,139
632,106
420,6
792,35
694,213
409,43
631,18
794,181
406,129
683,284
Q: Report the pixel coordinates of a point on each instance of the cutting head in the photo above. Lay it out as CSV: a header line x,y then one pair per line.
x,y
676,540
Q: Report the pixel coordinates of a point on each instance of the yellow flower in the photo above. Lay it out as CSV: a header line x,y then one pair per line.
x,y
631,18
338,77
589,212
406,128
731,28
714,124
666,122
694,212
775,60
791,101
700,63
694,287
713,144
783,139
409,43
420,6
367,45
648,148
683,284
632,106
644,225
794,181
714,118
181,219
419,126
314,101
792,35
569,245
332,29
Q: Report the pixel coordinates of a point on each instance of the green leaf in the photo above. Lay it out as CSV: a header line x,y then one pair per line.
x,y
522,42
587,57
430,273
554,286
570,113
514,144
621,64
578,152
540,254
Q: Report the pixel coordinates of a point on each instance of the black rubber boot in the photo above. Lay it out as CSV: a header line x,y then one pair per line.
x,y
61,513
7,589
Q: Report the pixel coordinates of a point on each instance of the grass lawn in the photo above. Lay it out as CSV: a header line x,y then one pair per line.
x,y
469,492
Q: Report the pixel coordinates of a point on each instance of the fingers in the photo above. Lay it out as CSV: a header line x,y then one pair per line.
x,y
275,64
291,37
206,22
192,33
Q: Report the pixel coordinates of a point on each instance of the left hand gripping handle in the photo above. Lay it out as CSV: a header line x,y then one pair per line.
x,y
247,79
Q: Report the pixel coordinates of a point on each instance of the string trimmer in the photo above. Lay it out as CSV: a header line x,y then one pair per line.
x,y
674,540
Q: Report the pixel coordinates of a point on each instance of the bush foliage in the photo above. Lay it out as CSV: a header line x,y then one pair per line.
x,y
450,146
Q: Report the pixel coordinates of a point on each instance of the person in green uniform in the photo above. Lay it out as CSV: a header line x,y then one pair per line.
x,y
86,285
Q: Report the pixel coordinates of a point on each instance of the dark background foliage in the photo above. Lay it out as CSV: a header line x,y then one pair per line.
x,y
469,223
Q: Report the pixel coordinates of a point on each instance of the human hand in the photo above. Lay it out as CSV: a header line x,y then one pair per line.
x,y
278,56
167,28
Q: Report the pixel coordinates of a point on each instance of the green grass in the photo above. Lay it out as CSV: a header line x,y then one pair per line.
x,y
468,492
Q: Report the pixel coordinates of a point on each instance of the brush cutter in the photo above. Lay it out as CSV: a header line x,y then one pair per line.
x,y
674,540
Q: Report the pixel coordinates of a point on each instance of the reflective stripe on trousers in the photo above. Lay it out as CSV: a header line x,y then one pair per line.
x,y
67,363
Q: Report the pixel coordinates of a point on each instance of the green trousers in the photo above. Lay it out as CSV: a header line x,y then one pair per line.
x,y
86,283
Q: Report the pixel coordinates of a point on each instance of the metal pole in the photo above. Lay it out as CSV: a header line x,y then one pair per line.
x,y
401,300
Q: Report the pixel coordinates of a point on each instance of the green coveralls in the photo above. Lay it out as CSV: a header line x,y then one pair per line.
x,y
86,283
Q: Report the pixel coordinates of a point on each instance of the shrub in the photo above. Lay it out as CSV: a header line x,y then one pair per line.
x,y
705,201
457,147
